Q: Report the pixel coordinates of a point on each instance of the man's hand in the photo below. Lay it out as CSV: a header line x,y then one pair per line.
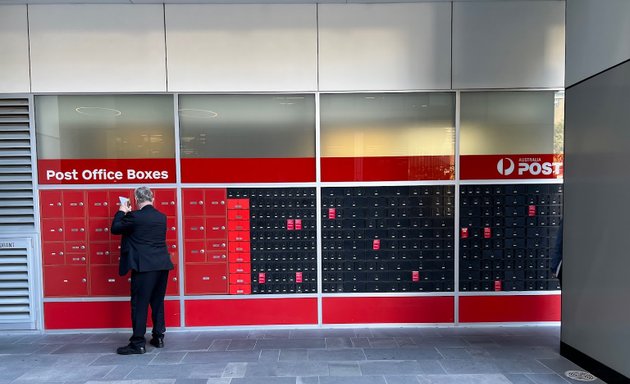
x,y
125,208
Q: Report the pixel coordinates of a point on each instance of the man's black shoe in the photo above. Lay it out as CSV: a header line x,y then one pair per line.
x,y
157,342
131,350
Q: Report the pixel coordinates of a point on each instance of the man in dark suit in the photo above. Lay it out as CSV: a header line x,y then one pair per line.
x,y
143,251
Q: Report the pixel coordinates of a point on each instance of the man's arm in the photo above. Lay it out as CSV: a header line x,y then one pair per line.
x,y
123,223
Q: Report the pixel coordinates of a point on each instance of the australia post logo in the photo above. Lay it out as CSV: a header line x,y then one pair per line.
x,y
528,167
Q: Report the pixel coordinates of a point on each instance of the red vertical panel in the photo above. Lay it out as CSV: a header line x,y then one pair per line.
x,y
251,312
517,308
363,310
102,314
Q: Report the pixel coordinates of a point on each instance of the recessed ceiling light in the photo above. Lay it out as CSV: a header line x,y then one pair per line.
x,y
198,113
98,111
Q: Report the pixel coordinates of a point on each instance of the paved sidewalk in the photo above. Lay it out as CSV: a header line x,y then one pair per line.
x,y
462,355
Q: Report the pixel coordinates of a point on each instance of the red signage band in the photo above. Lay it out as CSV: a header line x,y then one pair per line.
x,y
106,171
521,166
248,170
388,168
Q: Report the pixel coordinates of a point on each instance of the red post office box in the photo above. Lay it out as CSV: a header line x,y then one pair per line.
x,y
238,214
171,228
104,281
74,203
216,228
206,278
240,278
240,225
214,245
77,247
53,253
98,204
194,202
240,268
52,230
194,228
172,288
238,203
239,257
216,257
195,251
76,258
98,229
74,230
51,203
239,236
100,253
216,201
65,281
240,289
240,247
165,200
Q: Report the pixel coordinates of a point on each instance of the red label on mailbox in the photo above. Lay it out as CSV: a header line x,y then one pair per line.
x,y
415,275
261,278
298,224
298,277
376,244
531,210
497,285
290,224
464,233
487,233
332,213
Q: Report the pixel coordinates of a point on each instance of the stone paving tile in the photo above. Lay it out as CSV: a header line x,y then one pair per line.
x,y
350,354
344,368
264,380
321,333
113,359
417,353
290,343
401,380
383,342
241,345
517,378
382,368
269,355
293,354
548,379
352,380
61,373
168,358
360,342
521,366
454,353
287,368
235,370
180,371
464,379
220,357
338,342
469,366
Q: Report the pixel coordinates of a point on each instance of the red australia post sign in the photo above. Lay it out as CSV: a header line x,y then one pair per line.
x,y
523,166
106,171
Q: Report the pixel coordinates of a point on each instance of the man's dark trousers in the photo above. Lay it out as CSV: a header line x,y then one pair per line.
x,y
147,288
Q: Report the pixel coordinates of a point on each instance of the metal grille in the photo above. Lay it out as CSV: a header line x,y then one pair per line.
x,y
15,293
16,168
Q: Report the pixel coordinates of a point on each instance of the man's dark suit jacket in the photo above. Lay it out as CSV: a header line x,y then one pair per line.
x,y
143,244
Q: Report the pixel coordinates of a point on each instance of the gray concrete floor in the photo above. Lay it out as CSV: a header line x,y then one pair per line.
x,y
462,355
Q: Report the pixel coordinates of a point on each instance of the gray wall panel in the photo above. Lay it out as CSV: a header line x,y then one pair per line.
x,y
595,314
599,36
14,76
508,44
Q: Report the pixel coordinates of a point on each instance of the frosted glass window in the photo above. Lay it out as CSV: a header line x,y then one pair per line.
x,y
512,123
247,126
393,124
105,127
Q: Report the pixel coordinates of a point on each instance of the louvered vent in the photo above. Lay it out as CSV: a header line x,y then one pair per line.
x,y
16,171
16,310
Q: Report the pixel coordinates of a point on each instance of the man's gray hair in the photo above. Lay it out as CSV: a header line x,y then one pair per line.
x,y
143,194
